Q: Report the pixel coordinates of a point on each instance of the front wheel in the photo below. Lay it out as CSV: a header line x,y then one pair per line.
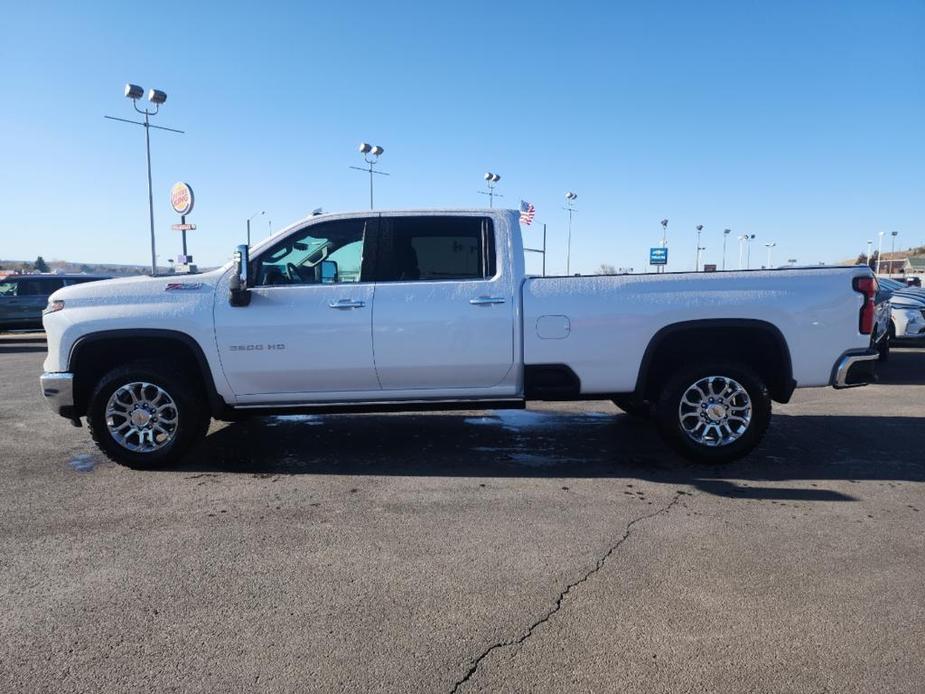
x,y
145,415
714,413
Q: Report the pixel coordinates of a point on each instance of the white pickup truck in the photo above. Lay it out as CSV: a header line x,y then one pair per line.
x,y
402,311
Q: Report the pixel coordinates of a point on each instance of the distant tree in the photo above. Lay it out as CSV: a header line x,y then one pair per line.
x,y
40,264
605,269
86,268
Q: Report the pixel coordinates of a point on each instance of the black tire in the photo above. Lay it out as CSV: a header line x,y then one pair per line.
x,y
883,349
669,420
191,414
634,408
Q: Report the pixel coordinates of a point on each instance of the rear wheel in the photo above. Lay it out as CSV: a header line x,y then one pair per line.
x,y
145,415
714,413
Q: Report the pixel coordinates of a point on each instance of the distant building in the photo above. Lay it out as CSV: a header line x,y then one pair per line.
x,y
901,264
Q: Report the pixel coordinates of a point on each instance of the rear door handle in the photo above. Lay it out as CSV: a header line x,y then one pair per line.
x,y
486,300
347,303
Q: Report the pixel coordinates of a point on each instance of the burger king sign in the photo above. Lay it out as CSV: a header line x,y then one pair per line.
x,y
181,198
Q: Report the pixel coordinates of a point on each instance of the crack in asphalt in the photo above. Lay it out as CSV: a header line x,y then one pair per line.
x,y
558,604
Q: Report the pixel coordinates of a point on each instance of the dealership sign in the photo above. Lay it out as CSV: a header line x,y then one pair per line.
x,y
181,198
658,256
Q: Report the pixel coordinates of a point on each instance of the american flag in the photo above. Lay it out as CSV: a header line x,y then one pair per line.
x,y
527,212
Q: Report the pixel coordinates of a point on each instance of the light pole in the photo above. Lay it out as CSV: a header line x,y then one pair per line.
x,y
745,243
699,248
664,223
256,214
769,245
570,199
491,179
879,251
371,154
156,97
894,234
726,233
870,245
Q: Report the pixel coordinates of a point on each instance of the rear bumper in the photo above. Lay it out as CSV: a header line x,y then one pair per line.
x,y
58,389
855,368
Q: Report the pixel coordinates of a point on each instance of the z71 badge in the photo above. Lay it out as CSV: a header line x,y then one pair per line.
x,y
255,348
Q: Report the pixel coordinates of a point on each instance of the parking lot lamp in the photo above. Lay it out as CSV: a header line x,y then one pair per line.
x,y
699,248
256,214
491,180
726,233
371,154
879,251
769,245
156,97
664,223
570,199
894,234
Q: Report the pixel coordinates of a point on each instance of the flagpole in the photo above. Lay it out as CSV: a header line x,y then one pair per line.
x,y
544,250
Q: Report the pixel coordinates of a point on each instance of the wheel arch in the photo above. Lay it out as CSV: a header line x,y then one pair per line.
x,y
758,343
94,354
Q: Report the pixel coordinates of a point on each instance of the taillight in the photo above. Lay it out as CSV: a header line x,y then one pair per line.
x,y
868,287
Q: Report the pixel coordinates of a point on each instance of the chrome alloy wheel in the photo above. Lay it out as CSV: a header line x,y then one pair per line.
x,y
715,411
142,417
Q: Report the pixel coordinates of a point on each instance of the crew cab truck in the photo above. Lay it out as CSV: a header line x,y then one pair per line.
x,y
402,311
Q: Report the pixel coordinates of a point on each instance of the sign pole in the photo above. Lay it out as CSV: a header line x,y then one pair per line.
x,y
183,224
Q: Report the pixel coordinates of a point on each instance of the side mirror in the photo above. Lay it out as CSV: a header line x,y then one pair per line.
x,y
240,295
328,272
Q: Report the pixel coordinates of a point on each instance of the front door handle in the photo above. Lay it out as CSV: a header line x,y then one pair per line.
x,y
347,303
486,300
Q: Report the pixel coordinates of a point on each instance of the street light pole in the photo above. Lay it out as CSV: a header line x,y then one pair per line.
x,y
491,179
726,233
769,245
894,234
256,214
697,260
570,201
664,223
156,97
870,245
879,251
371,154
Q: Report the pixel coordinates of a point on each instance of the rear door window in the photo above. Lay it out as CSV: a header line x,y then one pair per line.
x,y
436,248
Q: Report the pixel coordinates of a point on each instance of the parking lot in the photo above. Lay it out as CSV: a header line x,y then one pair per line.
x,y
561,547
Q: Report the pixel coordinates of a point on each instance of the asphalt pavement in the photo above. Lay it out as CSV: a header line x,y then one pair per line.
x,y
560,548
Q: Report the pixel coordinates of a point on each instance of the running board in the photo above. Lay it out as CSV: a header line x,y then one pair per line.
x,y
372,407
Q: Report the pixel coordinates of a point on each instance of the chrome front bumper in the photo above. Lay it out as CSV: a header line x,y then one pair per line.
x,y
58,389
854,369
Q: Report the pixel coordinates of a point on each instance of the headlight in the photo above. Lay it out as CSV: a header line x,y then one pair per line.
x,y
53,306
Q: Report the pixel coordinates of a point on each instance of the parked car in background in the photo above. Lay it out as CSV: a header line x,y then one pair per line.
x,y
24,297
880,336
907,310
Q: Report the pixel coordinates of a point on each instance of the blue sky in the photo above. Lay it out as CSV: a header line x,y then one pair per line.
x,y
803,123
